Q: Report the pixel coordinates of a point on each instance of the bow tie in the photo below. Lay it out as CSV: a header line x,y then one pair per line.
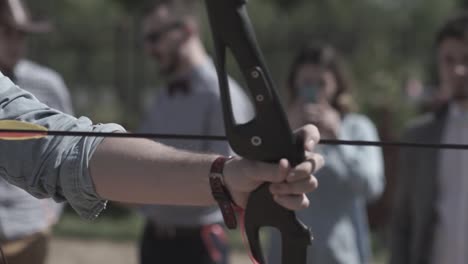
x,y
178,86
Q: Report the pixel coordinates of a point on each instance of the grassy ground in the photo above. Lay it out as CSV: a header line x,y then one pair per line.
x,y
121,229
115,224
76,251
112,238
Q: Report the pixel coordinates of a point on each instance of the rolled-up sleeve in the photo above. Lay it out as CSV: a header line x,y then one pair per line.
x,y
52,166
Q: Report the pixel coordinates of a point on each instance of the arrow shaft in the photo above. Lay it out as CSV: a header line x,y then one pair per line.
x,y
32,132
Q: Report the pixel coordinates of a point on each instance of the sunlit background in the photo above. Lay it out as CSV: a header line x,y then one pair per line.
x,y
96,47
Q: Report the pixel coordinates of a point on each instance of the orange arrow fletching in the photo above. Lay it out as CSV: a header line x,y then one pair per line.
x,y
31,131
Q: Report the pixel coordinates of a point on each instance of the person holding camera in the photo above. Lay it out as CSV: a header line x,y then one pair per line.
x,y
352,175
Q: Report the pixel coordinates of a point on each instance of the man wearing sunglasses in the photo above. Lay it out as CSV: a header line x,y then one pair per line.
x,y
191,98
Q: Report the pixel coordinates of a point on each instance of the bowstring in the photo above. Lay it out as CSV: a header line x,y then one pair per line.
x,y
383,144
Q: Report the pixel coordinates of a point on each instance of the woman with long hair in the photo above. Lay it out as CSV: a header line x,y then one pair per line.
x,y
319,92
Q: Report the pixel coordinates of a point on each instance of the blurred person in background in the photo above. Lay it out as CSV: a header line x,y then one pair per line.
x,y
25,221
190,97
430,217
353,175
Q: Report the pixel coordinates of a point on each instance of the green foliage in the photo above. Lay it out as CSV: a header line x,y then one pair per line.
x,y
384,42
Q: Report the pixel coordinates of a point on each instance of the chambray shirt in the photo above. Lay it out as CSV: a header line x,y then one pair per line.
x,y
20,213
56,167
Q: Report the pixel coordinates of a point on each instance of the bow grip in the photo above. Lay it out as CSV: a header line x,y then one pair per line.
x,y
263,211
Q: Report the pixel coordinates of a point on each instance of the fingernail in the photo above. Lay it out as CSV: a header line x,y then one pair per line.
x,y
310,144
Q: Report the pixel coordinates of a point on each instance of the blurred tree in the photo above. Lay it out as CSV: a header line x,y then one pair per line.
x,y
97,45
463,3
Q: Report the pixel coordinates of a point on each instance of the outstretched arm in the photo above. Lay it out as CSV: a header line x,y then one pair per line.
x,y
86,171
142,171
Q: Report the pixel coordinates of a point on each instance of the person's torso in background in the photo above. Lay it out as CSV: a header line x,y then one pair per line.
x,y
198,112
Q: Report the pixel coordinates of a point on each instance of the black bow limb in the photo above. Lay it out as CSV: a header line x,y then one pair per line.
x,y
267,137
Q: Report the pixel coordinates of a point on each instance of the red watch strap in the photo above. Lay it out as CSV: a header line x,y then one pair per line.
x,y
221,194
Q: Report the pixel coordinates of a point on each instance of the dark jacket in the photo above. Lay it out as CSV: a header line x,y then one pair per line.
x,y
415,215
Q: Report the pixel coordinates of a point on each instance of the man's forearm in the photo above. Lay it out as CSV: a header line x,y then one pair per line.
x,y
145,172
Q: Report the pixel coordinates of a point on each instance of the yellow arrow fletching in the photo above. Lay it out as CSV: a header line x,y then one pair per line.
x,y
32,131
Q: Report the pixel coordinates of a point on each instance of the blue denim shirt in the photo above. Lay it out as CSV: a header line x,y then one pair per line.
x,y
56,167
22,215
